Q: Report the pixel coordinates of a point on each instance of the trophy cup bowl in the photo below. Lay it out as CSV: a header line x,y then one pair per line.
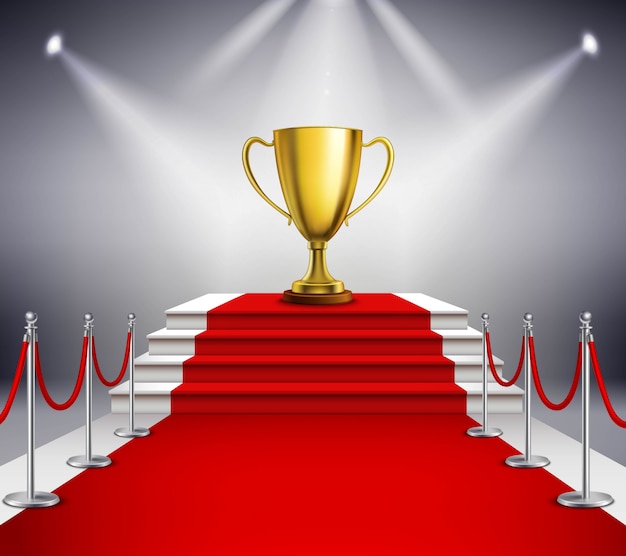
x,y
318,169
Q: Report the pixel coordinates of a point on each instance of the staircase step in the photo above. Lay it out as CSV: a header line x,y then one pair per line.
x,y
169,368
330,342
159,368
443,316
157,398
318,397
192,315
183,342
322,368
500,399
150,397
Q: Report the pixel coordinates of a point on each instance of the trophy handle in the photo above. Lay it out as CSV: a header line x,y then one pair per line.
x,y
383,180
246,166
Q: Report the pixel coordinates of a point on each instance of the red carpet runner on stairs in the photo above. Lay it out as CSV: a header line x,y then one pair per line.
x,y
374,355
312,485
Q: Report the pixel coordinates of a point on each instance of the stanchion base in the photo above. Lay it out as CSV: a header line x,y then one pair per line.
x,y
40,500
577,500
84,462
131,433
527,463
480,432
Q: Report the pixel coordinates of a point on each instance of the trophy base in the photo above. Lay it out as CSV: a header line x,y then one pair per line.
x,y
317,298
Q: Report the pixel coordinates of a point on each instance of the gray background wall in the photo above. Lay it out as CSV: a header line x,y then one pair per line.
x,y
121,187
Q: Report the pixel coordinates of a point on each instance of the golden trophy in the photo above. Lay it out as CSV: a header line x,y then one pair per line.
x,y
318,169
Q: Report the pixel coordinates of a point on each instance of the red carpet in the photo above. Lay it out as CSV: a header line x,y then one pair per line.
x,y
316,434
374,355
312,485
367,310
301,485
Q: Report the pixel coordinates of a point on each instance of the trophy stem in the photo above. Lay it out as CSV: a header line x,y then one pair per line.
x,y
317,274
317,286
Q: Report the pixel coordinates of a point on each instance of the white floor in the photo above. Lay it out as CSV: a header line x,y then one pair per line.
x,y
565,454
51,469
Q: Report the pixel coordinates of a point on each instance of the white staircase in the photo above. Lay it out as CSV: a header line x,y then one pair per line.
x,y
160,370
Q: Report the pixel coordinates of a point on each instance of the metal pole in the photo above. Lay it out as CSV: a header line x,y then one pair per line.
x,y
31,498
88,385
131,431
585,411
527,460
131,363
31,330
89,460
484,431
585,498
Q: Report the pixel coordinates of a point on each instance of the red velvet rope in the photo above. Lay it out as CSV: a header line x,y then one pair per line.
x,y
596,369
124,364
77,386
540,390
492,365
16,382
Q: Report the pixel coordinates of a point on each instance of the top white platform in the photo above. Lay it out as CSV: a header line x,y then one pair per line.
x,y
192,314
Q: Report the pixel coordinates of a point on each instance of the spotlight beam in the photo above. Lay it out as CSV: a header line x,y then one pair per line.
x,y
158,150
326,73
483,146
421,57
238,43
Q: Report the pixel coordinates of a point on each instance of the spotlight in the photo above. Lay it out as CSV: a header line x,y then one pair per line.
x,y
54,46
589,44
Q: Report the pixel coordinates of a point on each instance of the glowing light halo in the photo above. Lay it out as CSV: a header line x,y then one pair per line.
x,y
589,44
54,45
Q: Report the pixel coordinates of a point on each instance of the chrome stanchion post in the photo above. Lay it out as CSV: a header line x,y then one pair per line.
x,y
131,431
31,498
484,431
527,460
89,460
585,498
